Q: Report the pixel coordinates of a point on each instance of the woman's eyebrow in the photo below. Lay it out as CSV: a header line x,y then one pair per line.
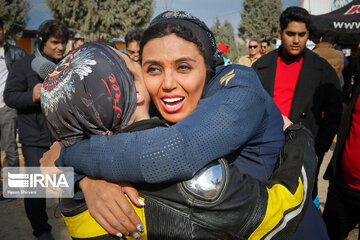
x,y
185,59
150,61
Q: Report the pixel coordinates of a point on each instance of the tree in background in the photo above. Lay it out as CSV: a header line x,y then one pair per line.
x,y
217,31
102,19
230,38
224,33
14,15
260,19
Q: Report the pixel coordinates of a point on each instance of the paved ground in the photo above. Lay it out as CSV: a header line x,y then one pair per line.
x,y
15,226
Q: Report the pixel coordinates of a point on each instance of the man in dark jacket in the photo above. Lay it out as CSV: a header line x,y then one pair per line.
x,y
8,55
303,85
22,91
342,207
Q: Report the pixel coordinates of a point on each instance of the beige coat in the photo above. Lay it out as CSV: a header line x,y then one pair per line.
x,y
245,60
329,53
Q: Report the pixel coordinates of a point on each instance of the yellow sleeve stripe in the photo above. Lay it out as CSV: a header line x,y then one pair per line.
x,y
227,77
83,225
280,200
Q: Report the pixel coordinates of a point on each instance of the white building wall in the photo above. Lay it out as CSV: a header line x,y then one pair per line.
x,y
318,7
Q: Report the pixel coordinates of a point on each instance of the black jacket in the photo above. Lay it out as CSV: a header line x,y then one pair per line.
x,y
242,206
13,54
317,91
33,130
332,170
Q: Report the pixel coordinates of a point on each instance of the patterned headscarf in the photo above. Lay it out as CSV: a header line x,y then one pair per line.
x,y
213,55
90,92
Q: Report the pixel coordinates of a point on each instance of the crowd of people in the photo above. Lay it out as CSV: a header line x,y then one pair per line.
x,y
181,143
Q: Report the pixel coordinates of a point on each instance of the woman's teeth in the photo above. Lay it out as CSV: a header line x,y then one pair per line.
x,y
172,100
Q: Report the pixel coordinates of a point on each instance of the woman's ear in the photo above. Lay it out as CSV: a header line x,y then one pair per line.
x,y
139,98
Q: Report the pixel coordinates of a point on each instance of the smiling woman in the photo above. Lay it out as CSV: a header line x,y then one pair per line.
x,y
175,81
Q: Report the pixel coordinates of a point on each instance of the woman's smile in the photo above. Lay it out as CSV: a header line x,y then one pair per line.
x,y
172,104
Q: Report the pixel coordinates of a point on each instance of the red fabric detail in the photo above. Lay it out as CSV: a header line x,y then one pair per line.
x,y
350,163
285,82
223,48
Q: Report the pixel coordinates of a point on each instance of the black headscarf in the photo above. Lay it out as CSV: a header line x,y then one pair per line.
x,y
213,55
90,92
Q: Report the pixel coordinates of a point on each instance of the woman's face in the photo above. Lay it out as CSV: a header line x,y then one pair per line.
x,y
174,72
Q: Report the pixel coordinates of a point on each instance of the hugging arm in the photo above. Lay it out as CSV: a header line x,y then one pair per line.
x,y
282,201
249,208
226,119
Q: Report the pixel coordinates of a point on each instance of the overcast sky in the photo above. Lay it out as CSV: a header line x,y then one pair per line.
x,y
206,10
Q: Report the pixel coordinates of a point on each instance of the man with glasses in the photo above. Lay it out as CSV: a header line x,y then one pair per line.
x,y
253,55
265,47
132,43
